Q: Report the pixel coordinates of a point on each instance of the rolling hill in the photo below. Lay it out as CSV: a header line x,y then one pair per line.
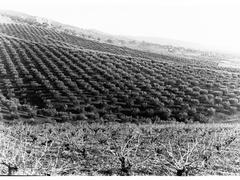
x,y
149,44
64,76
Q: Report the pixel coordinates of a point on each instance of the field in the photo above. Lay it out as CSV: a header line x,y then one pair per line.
x,y
73,106
52,37
119,149
78,84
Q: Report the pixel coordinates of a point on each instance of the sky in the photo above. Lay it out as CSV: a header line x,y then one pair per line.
x,y
212,23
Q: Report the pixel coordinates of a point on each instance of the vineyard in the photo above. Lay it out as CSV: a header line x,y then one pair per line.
x,y
65,77
119,149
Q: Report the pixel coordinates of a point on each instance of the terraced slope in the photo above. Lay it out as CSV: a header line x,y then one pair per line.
x,y
93,84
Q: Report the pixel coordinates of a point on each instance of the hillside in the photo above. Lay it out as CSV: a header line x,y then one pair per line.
x,y
119,88
73,78
147,44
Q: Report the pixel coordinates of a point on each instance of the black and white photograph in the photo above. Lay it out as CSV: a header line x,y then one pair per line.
x,y
97,88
